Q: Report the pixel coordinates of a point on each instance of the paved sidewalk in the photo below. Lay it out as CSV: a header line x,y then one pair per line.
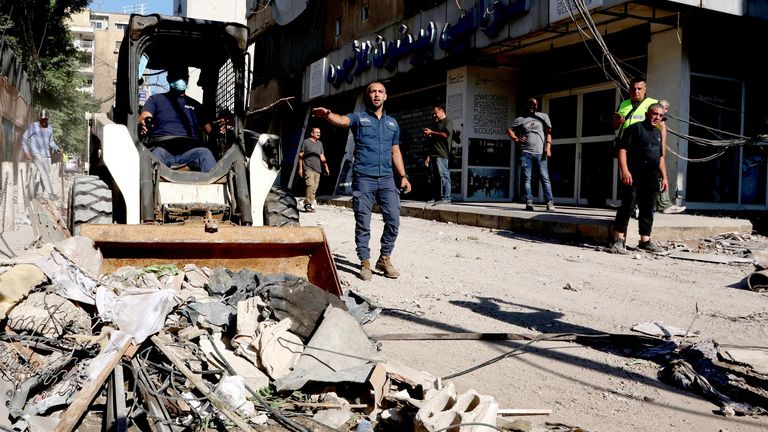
x,y
592,224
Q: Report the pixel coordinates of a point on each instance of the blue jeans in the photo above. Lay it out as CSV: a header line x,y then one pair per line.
x,y
527,160
199,158
365,192
441,172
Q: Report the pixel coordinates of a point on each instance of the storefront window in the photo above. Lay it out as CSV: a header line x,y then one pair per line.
x,y
715,112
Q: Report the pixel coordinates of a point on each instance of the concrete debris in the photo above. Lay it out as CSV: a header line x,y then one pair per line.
x,y
661,329
701,368
339,351
334,418
170,349
448,408
754,358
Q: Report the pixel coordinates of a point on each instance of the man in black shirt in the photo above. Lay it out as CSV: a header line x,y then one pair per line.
x,y
441,135
641,163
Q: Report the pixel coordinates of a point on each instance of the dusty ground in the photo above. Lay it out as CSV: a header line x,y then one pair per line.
x,y
466,279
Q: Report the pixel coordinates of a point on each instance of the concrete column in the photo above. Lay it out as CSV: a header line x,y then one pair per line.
x,y
480,101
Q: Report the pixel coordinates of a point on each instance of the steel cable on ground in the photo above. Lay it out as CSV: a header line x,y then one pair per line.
x,y
497,358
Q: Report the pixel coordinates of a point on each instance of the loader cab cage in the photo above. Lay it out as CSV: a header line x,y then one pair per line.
x,y
216,49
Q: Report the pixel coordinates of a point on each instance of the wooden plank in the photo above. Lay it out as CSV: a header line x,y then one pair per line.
x,y
71,416
523,411
462,336
163,343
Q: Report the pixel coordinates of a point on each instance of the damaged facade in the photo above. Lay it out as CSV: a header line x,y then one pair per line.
x,y
483,61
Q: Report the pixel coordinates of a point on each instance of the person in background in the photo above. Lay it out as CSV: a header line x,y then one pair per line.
x,y
440,135
311,158
533,131
642,168
174,135
663,202
377,152
37,144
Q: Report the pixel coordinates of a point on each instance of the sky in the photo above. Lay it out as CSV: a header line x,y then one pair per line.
x,y
151,6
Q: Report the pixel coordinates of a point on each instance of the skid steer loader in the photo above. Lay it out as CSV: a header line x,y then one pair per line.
x,y
140,212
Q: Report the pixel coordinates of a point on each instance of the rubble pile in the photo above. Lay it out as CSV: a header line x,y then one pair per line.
x,y
168,349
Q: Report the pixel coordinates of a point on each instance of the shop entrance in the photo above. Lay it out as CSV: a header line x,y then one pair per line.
x,y
582,167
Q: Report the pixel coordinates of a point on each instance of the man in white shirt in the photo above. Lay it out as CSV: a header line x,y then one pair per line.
x,y
37,143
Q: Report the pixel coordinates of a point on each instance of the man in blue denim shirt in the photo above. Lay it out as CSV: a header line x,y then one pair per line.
x,y
533,132
377,149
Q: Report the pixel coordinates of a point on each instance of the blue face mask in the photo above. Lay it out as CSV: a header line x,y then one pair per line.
x,y
179,84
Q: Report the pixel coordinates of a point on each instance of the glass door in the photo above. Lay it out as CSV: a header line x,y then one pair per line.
x,y
736,178
582,167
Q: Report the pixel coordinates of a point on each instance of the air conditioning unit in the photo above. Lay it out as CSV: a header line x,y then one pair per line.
x,y
116,50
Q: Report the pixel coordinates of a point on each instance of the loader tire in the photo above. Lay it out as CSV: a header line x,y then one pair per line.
x,y
90,201
281,208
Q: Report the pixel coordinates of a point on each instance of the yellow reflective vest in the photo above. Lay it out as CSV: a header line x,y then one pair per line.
x,y
637,116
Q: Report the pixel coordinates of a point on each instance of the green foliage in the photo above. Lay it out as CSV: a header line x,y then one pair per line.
x,y
36,30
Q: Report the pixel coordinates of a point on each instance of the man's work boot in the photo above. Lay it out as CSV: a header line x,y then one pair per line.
x,y
365,270
384,265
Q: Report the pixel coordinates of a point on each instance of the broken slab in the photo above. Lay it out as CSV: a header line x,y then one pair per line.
x,y
339,351
755,358
661,329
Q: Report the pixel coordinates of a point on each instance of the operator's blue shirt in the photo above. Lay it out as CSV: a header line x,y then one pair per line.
x,y
374,139
167,108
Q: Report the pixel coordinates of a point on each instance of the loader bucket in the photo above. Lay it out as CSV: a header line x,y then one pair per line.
x,y
301,251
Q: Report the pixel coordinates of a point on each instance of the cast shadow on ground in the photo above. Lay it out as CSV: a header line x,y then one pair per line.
x,y
545,321
345,265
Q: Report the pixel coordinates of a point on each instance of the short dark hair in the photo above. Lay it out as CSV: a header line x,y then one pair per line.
x,y
637,79
441,106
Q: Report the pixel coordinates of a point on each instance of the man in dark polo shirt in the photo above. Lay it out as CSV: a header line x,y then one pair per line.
x,y
377,149
175,131
311,162
641,163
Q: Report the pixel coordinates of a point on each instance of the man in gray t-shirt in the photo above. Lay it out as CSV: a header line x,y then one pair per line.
x,y
533,131
311,158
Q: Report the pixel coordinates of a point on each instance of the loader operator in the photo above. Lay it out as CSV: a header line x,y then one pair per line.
x,y
172,121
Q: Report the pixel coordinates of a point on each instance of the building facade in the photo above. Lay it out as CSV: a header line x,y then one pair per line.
x,y
98,35
16,110
482,62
